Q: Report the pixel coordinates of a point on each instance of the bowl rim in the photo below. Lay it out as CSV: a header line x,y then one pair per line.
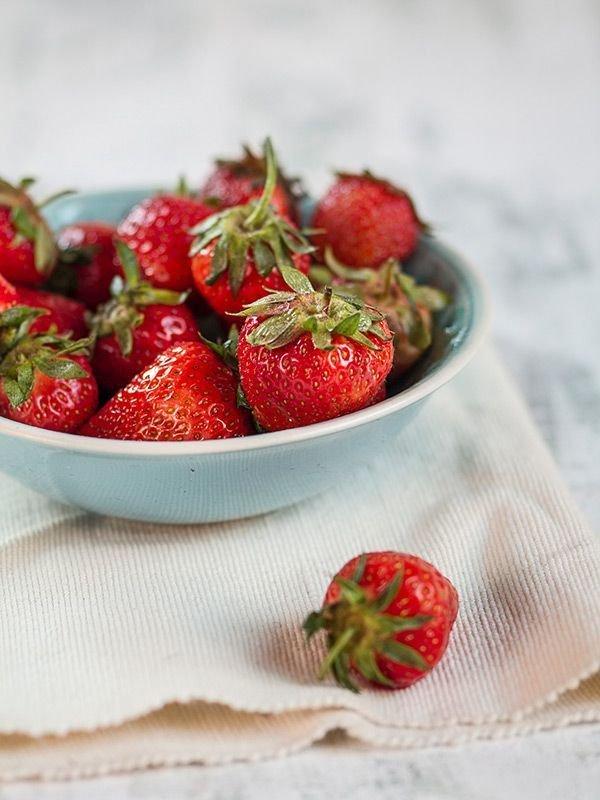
x,y
457,359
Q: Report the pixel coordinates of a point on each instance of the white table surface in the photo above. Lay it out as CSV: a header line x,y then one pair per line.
x,y
488,111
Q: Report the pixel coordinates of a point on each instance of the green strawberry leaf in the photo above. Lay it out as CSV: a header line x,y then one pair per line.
x,y
129,262
237,251
263,257
16,396
403,654
124,335
389,593
366,664
349,325
275,331
359,570
23,223
44,248
296,280
60,368
25,377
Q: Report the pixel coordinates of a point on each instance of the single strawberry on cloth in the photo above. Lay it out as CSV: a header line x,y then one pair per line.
x,y
127,645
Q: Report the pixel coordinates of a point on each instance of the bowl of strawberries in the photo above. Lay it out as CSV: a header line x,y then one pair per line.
x,y
192,356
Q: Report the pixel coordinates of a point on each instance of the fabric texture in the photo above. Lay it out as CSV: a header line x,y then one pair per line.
x,y
127,645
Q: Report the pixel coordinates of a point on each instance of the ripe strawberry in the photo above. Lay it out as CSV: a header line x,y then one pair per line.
x,y
187,393
136,325
307,356
63,314
408,307
237,182
45,379
157,230
388,618
67,315
28,251
239,253
367,220
87,262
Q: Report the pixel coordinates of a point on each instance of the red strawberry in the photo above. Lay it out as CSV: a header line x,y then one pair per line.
x,y
220,294
187,393
238,253
45,379
388,618
157,230
87,262
367,220
307,356
136,325
408,307
237,182
64,315
28,251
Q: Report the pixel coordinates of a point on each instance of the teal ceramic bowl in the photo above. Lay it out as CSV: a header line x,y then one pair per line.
x,y
192,482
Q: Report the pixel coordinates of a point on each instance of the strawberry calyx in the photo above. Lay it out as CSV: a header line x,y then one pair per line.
x,y
227,351
321,313
254,167
122,313
250,165
252,228
395,293
29,224
359,631
22,353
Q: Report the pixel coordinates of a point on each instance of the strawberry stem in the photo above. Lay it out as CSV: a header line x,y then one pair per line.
x,y
259,213
359,631
340,645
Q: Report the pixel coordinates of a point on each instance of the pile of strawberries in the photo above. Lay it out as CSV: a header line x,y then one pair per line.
x,y
102,329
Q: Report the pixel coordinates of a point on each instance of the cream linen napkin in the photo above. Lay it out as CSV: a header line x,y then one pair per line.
x,y
127,645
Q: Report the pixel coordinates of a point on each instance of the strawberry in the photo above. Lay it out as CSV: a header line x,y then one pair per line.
x,y
237,182
408,307
388,618
45,379
187,393
67,315
238,253
63,314
87,262
138,323
306,356
28,251
157,230
367,220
